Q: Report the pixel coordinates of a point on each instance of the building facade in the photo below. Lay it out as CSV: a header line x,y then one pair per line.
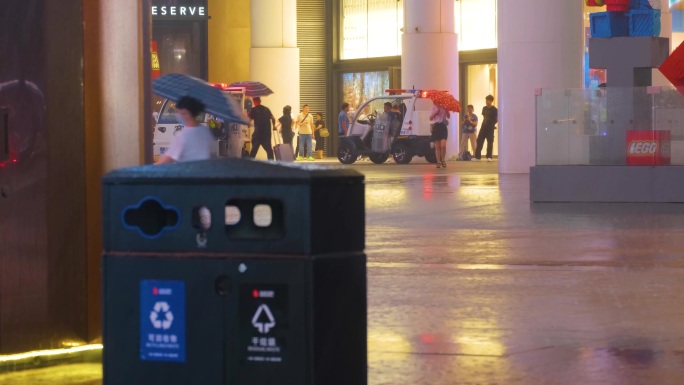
x,y
351,50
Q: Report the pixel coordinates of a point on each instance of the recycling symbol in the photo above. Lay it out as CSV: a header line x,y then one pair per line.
x,y
263,319
161,316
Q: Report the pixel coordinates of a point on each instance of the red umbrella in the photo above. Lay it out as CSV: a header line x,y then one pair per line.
x,y
444,99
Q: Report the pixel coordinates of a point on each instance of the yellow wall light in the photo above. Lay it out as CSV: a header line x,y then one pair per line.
x,y
49,353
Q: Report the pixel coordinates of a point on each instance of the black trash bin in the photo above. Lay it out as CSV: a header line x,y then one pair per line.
x,y
234,272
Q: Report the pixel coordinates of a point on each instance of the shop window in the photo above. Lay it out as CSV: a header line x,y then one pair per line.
x,y
358,87
168,114
592,77
371,28
476,24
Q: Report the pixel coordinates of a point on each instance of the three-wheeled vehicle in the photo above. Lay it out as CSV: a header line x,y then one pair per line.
x,y
403,133
230,137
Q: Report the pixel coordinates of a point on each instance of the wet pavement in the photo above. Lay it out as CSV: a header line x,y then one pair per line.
x,y
470,283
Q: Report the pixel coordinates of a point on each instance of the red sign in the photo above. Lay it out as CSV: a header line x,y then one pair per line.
x,y
156,68
648,148
617,5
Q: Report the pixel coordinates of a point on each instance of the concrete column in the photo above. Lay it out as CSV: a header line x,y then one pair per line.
x,y
540,46
430,52
229,40
121,82
114,105
274,55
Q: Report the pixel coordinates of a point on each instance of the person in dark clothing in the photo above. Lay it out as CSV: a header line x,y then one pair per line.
x,y
262,118
286,125
320,141
491,118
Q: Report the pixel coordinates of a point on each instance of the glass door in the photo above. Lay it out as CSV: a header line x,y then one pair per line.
x,y
481,80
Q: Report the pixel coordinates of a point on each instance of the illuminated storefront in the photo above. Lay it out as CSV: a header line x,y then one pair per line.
x,y
208,39
179,29
368,47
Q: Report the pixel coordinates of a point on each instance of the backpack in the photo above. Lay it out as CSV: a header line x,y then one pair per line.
x,y
467,156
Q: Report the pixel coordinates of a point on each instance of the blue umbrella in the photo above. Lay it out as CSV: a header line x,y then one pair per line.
x,y
176,86
254,89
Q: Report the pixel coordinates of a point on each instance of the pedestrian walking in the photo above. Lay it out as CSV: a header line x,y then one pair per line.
x,y
286,125
262,118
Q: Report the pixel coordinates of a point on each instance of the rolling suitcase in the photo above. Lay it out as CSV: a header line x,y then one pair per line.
x,y
283,152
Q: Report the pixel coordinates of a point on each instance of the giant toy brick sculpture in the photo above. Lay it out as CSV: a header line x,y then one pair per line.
x,y
624,41
626,18
673,68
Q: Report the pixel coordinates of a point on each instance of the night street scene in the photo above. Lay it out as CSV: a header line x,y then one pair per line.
x,y
342,192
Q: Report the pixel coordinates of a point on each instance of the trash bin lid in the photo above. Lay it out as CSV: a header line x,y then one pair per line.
x,y
233,171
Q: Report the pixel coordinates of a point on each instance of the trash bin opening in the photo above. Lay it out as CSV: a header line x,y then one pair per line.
x,y
255,219
151,218
201,218
232,215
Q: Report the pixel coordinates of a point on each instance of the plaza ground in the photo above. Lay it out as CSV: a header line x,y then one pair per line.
x,y
470,283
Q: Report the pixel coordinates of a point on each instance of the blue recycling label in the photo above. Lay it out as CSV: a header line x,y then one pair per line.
x,y
162,321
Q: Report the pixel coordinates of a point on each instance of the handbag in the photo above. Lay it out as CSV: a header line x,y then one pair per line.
x,y
324,133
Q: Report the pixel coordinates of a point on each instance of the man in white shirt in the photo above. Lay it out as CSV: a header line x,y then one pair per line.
x,y
195,141
305,123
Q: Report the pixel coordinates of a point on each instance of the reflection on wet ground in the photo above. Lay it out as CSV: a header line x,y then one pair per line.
x,y
470,283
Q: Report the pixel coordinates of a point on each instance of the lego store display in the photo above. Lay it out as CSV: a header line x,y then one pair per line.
x,y
625,42
625,18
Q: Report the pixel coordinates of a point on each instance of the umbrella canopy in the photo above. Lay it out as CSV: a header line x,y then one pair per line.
x,y
445,100
176,86
254,89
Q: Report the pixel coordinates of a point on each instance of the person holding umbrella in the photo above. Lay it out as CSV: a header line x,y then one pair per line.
x,y
262,118
444,103
194,96
195,141
440,132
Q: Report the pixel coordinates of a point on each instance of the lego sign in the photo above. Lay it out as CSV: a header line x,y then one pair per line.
x,y
648,148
